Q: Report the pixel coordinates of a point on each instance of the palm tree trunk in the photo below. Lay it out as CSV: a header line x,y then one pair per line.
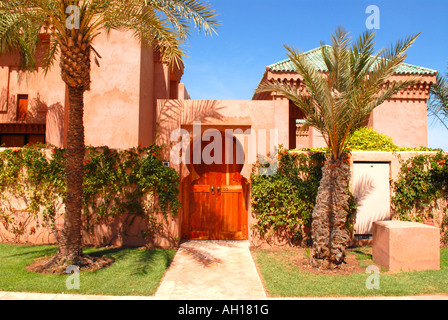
x,y
330,238
70,249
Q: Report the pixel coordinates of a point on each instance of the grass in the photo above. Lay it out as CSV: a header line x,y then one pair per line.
x,y
134,272
283,279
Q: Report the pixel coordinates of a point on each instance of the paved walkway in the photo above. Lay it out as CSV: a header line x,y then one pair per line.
x,y
213,270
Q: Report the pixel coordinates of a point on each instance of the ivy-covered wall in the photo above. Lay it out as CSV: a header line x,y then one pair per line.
x,y
420,191
282,200
129,196
282,203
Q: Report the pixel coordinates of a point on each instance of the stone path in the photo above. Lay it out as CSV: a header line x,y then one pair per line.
x,y
212,270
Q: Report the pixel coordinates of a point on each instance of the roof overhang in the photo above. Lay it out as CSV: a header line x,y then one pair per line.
x,y
285,71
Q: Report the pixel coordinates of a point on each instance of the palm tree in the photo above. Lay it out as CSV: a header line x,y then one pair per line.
x,y
438,100
336,103
73,26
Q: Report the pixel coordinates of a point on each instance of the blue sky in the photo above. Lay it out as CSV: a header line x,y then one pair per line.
x,y
230,65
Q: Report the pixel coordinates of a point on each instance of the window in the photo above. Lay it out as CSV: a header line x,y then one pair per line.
x,y
22,107
20,140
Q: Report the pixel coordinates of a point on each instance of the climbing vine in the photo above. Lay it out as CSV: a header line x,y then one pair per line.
x,y
130,182
283,194
421,191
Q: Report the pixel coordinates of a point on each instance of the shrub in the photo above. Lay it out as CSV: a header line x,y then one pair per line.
x,y
132,182
368,139
283,201
421,191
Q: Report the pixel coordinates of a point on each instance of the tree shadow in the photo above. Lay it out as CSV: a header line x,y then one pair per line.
x,y
198,252
4,101
147,260
42,252
361,253
362,189
143,260
38,110
172,114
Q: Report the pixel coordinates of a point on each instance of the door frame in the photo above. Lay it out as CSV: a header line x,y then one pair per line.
x,y
193,175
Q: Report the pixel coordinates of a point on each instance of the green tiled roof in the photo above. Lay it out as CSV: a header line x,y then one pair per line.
x,y
315,57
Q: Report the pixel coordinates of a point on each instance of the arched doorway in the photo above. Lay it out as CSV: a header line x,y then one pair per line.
x,y
215,204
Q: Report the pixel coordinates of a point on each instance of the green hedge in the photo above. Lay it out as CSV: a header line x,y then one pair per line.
x,y
283,200
420,191
368,139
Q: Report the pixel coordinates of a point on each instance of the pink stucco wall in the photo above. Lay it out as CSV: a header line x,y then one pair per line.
x,y
119,110
403,117
46,96
111,112
405,121
257,118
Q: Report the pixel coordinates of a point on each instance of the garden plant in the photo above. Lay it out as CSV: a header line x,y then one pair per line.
x,y
336,103
73,26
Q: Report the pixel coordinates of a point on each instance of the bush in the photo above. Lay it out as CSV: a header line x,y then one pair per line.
x,y
283,200
132,181
421,191
368,139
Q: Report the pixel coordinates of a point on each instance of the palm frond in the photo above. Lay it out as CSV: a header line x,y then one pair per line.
x,y
438,101
19,31
163,24
338,101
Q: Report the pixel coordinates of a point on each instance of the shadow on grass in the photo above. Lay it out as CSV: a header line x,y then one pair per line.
x,y
140,261
363,254
147,260
37,252
109,252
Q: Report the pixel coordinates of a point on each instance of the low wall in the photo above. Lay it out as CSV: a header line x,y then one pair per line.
x,y
25,206
121,231
407,246
365,218
130,230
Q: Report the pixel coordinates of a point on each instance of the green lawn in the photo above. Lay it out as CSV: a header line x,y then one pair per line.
x,y
134,272
283,279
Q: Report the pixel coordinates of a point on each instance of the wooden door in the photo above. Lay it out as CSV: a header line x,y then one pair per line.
x,y
216,206
22,107
232,223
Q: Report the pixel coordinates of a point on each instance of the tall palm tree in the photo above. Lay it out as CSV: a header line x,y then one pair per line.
x,y
73,26
336,103
438,100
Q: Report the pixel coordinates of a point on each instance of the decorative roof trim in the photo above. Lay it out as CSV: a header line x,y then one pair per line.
x,y
315,57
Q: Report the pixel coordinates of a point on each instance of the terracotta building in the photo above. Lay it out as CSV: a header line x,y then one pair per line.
x,y
404,117
134,96
119,108
216,198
